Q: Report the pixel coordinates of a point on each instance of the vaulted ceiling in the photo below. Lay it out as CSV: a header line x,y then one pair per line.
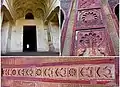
x,y
36,7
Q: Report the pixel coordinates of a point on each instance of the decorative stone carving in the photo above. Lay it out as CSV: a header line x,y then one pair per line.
x,y
88,3
76,72
39,13
20,12
36,6
18,72
91,43
89,18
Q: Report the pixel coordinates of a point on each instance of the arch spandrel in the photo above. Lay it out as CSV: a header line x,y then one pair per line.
x,y
7,15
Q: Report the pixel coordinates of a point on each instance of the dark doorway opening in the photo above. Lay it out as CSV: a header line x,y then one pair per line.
x,y
117,11
62,18
29,39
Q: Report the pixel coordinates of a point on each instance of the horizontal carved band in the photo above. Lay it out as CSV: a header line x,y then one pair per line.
x,y
76,72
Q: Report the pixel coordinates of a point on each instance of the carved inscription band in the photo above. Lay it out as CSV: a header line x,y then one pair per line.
x,y
72,72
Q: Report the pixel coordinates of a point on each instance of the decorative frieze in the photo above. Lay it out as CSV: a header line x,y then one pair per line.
x,y
75,72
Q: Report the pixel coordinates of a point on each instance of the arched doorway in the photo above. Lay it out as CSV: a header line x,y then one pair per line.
x,y
29,36
117,11
29,16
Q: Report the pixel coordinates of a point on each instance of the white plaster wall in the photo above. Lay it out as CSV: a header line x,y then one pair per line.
x,y
4,37
42,41
55,35
17,35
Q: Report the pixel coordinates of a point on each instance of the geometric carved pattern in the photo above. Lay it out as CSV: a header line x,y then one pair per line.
x,y
91,43
76,72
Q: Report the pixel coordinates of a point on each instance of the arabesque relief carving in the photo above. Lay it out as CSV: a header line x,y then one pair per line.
x,y
91,43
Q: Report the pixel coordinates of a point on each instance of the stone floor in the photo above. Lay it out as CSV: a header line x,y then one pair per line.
x,y
31,54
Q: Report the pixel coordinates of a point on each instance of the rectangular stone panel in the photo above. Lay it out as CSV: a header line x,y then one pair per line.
x,y
90,18
86,4
91,43
60,72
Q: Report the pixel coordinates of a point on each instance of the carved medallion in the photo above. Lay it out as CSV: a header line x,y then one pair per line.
x,y
89,18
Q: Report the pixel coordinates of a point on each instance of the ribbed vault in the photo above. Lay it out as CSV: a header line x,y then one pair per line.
x,y
36,7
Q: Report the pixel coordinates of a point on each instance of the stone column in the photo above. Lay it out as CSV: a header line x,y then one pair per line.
x,y
9,38
4,39
51,47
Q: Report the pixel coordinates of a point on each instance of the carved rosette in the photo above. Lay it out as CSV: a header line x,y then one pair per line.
x,y
91,43
89,18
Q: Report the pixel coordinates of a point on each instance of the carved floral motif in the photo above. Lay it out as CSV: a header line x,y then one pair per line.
x,y
91,43
89,18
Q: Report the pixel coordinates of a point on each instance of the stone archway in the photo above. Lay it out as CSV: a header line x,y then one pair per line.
x,y
29,16
6,14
